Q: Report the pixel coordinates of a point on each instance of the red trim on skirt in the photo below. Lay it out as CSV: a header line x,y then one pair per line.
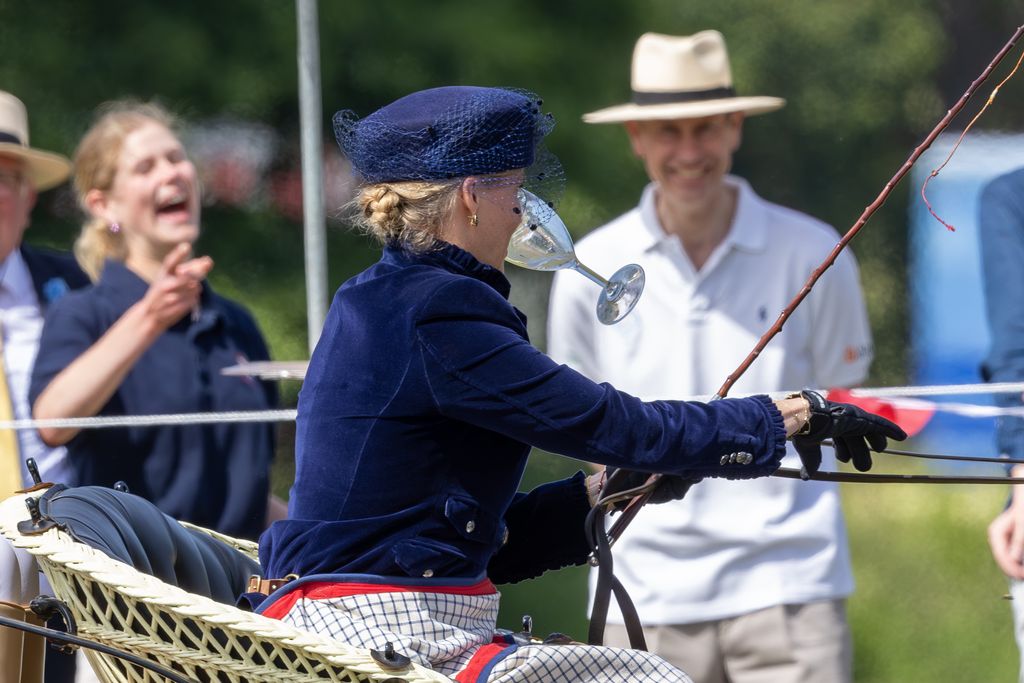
x,y
323,590
479,661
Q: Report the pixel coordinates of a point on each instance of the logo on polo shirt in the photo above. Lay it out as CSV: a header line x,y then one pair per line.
x,y
852,353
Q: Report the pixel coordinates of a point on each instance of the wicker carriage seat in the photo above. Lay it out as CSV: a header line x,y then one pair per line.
x,y
131,529
137,580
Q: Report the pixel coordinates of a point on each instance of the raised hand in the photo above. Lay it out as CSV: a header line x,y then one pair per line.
x,y
175,290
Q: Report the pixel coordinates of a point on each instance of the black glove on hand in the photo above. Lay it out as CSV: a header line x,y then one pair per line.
x,y
632,483
851,429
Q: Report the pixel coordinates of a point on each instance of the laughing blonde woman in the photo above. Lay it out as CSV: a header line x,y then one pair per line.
x,y
151,336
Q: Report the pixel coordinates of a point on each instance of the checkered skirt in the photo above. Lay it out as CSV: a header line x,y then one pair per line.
x,y
454,634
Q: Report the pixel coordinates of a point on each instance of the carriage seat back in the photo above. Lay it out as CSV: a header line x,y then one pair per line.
x,y
133,530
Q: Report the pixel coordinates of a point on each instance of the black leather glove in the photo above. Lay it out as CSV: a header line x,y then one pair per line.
x,y
621,486
851,429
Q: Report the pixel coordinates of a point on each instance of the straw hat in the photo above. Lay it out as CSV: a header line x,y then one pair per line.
x,y
45,169
678,77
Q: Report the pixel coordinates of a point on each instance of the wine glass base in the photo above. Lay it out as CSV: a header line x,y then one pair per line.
x,y
620,296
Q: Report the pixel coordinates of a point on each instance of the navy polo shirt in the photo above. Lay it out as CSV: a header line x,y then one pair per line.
x,y
416,416
213,475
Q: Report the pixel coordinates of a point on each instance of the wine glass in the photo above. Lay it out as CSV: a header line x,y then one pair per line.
x,y
542,242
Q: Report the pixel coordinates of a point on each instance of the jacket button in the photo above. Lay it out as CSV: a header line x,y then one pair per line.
x,y
470,526
747,458
724,460
428,573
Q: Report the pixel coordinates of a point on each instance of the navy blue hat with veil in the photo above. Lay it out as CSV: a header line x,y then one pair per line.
x,y
453,132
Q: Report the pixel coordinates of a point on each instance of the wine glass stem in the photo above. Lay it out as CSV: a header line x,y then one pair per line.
x,y
591,275
613,290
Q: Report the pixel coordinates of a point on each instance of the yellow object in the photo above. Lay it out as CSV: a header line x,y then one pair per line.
x,y
10,462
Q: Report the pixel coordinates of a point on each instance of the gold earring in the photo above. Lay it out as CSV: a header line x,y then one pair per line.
x,y
473,220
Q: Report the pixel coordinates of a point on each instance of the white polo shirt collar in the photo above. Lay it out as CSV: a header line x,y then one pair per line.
x,y
748,231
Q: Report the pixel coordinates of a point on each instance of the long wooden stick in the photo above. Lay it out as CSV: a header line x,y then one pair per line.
x,y
868,212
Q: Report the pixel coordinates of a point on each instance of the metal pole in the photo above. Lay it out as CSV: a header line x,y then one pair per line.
x,y
314,229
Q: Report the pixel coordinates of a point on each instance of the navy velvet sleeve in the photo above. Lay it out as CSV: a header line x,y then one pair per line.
x,y
482,371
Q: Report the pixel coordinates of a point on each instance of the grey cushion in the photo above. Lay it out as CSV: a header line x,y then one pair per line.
x,y
132,529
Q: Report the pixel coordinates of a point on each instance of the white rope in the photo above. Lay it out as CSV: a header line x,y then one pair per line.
x,y
288,415
964,409
907,391
904,397
942,390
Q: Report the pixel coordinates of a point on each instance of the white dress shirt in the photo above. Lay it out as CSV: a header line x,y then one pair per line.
x,y
22,321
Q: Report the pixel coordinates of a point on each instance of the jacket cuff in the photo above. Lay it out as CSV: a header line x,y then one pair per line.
x,y
764,454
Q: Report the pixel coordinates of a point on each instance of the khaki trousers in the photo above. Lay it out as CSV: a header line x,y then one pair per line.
x,y
807,643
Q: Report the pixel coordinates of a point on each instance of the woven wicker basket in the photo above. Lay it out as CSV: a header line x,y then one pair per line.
x,y
201,639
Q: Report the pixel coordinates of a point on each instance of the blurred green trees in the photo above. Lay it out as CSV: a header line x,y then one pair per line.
x,y
865,81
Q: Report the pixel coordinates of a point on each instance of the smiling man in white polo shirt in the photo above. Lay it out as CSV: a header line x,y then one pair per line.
x,y
740,581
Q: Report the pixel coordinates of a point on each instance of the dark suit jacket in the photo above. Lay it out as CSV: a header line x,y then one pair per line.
x,y
54,273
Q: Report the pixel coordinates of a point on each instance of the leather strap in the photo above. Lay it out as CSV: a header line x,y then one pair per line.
x,y
607,585
257,584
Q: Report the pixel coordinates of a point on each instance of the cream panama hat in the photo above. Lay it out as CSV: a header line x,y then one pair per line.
x,y
45,169
680,77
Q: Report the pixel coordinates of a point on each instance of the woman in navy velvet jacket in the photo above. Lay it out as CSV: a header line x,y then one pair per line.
x,y
424,396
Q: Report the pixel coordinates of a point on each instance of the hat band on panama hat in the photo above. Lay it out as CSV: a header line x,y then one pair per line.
x,y
8,137
682,96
